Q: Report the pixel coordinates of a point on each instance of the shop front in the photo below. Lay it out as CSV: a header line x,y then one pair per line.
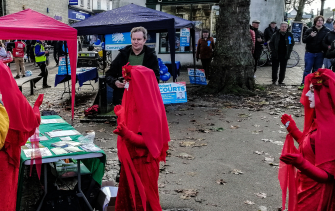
x,y
203,12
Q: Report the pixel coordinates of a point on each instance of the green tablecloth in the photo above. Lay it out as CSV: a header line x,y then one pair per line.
x,y
95,165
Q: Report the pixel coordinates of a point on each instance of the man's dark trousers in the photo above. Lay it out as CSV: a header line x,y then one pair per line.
x,y
282,61
205,64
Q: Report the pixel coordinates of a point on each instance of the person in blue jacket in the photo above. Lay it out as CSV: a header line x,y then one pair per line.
x,y
40,59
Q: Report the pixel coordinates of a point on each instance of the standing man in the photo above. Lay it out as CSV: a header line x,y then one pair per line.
x,y
18,54
314,49
136,54
259,42
205,49
40,59
269,31
329,24
328,43
55,53
281,46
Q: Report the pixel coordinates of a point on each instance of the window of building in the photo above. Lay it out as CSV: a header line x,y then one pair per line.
x,y
99,4
81,3
204,16
88,4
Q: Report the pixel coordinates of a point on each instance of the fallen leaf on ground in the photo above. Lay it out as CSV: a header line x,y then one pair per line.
x,y
186,156
236,171
186,143
249,202
220,129
203,130
221,182
102,130
234,127
258,152
261,195
199,145
269,159
187,193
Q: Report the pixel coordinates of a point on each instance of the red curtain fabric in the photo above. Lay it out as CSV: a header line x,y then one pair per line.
x,y
31,25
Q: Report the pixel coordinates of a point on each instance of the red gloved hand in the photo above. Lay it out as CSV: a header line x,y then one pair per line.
x,y
127,134
36,107
305,167
291,126
118,110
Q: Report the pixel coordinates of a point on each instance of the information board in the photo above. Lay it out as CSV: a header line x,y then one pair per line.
x,y
197,77
297,29
173,92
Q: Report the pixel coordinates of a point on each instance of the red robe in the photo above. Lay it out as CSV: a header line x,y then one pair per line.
x,y
23,120
144,113
316,144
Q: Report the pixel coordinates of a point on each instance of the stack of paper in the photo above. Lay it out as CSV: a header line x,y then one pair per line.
x,y
53,134
73,149
52,121
33,153
90,148
59,151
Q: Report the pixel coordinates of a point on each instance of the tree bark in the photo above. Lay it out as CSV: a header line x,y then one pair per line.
x,y
300,10
232,67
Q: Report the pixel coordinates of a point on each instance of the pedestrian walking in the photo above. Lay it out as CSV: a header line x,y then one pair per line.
x,y
28,47
143,136
136,54
40,59
259,42
269,31
205,49
326,42
55,52
18,54
314,48
281,46
311,188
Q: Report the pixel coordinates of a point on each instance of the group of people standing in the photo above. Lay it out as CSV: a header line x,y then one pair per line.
x,y
319,40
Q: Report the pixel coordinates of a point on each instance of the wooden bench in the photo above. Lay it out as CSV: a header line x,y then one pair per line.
x,y
26,79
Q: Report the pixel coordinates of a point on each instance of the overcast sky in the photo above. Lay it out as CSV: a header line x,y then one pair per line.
x,y
317,5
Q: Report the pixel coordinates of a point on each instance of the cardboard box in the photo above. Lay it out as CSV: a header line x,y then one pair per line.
x,y
102,196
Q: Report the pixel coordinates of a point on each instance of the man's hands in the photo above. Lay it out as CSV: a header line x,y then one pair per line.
x,y
119,85
259,39
313,34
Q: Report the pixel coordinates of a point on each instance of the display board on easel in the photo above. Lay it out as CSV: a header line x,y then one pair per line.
x,y
297,31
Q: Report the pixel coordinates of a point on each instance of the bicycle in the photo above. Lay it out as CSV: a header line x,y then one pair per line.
x,y
266,57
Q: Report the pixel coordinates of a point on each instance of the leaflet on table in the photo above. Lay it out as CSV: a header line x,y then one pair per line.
x,y
67,138
28,146
51,121
53,134
59,151
72,149
33,153
90,148
63,144
198,77
173,92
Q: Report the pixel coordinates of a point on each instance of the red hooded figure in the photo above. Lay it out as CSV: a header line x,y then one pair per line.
x,y
23,120
311,187
142,142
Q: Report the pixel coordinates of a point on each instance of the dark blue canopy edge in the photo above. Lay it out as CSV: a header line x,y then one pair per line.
x,y
123,19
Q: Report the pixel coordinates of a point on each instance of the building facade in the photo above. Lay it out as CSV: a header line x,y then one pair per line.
x,y
51,8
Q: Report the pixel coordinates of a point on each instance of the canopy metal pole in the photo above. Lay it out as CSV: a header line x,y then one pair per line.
x,y
67,67
104,54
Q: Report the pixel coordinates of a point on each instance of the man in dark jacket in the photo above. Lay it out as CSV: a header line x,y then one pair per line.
x,y
269,31
314,49
326,42
55,52
205,49
259,42
136,54
281,45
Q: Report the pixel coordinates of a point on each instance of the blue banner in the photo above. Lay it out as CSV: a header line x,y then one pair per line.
x,y
173,92
184,41
73,2
197,77
75,15
117,41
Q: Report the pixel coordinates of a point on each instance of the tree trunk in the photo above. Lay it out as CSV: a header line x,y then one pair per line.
x,y
300,10
232,67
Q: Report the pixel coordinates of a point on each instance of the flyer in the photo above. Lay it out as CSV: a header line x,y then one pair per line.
x,y
173,92
197,77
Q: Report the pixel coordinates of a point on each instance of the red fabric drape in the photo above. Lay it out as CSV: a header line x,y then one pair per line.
x,y
143,112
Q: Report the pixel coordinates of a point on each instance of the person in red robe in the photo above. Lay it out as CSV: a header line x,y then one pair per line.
x,y
23,120
311,188
142,142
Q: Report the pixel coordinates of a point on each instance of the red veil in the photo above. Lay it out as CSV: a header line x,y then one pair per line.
x,y
143,112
